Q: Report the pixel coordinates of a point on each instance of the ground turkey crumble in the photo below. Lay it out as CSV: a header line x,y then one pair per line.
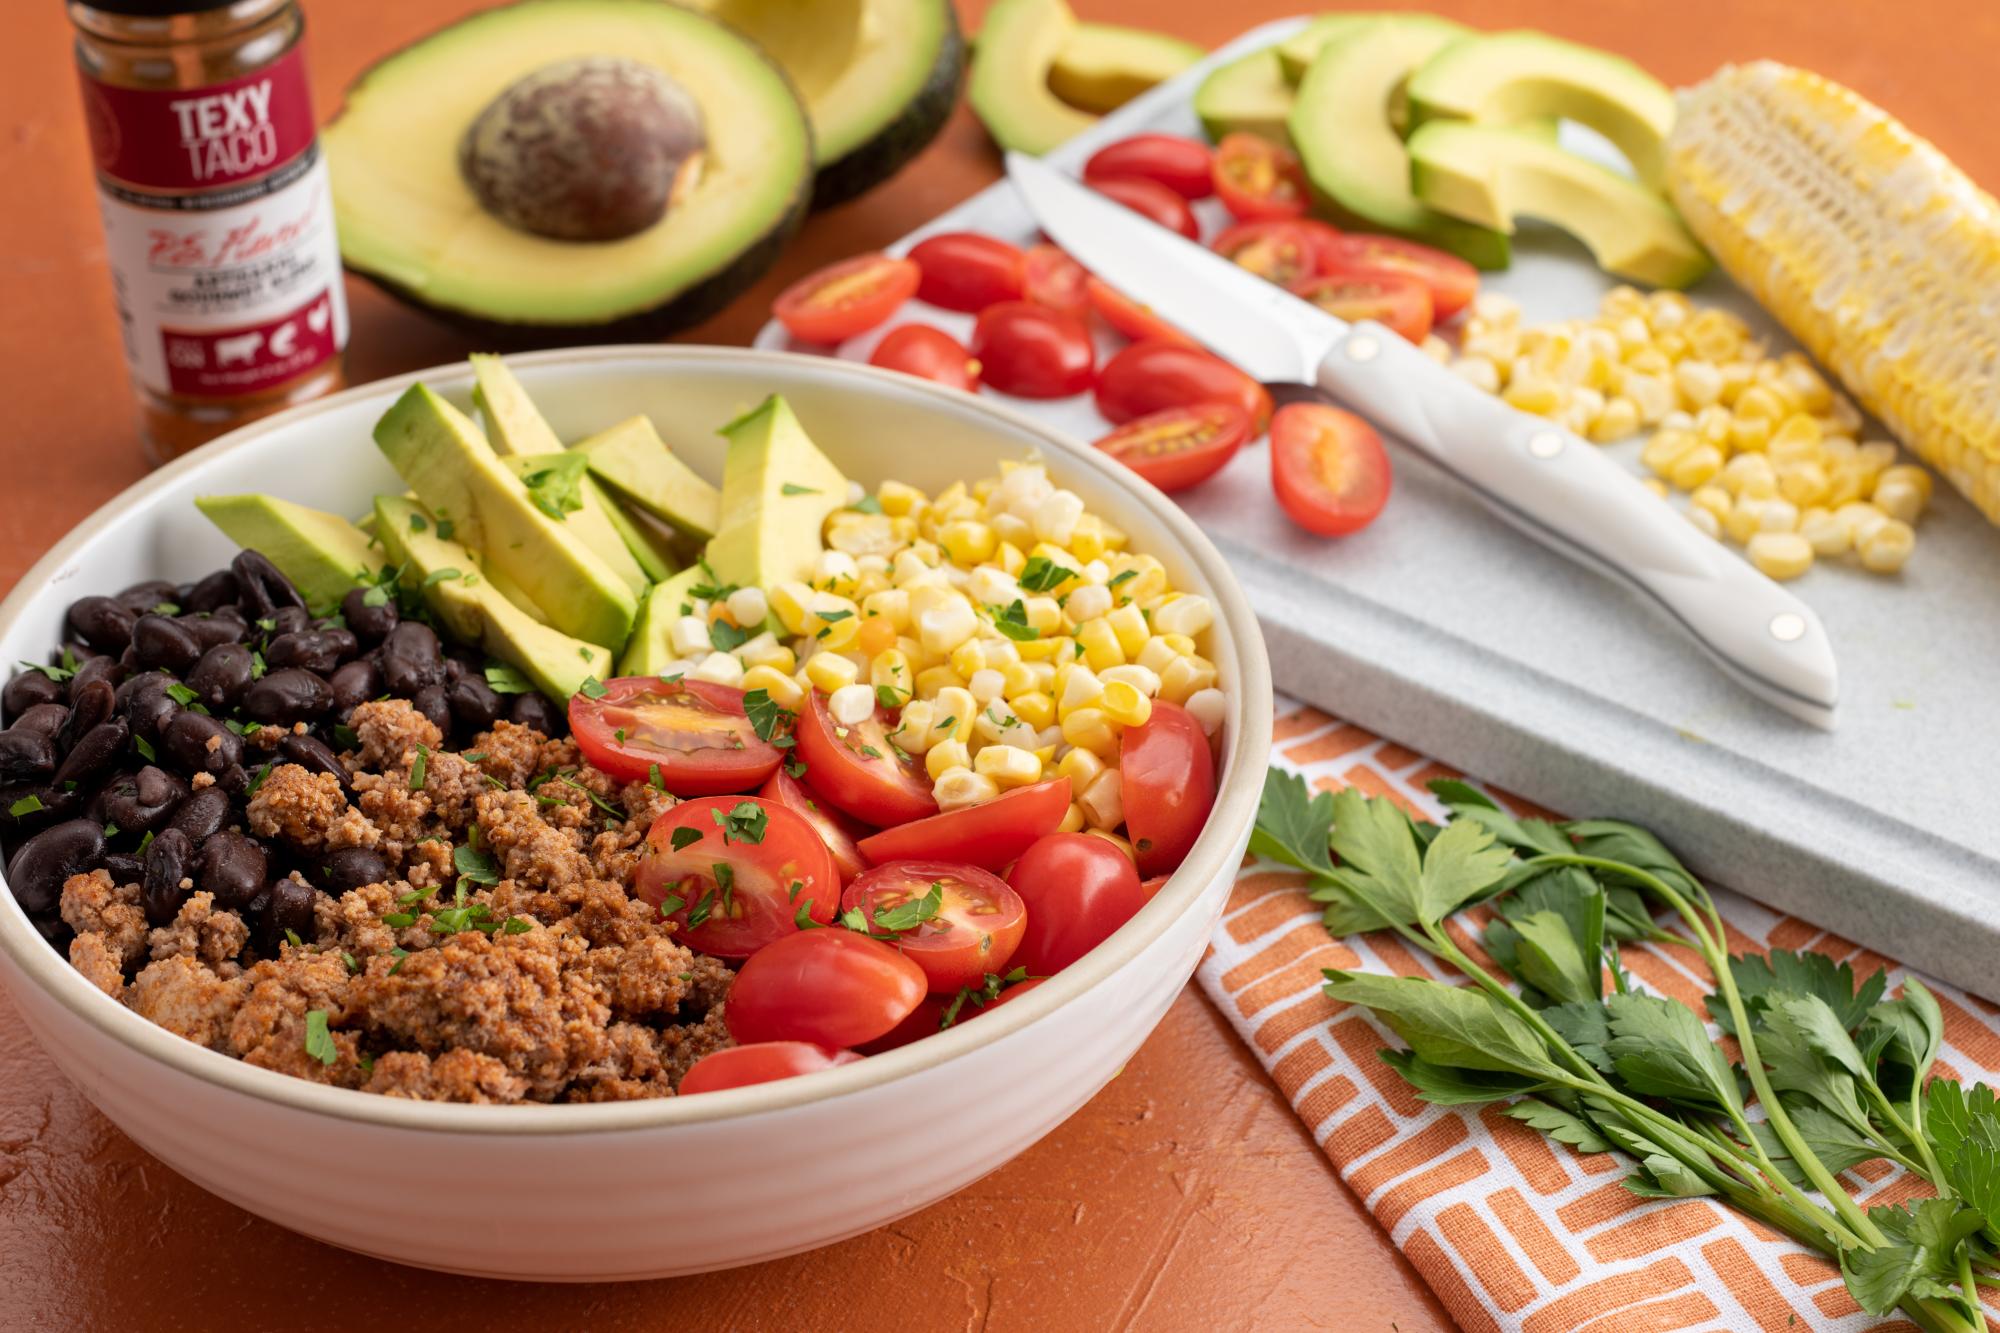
x,y
518,970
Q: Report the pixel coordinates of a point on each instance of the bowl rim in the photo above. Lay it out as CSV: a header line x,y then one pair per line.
x,y
1212,857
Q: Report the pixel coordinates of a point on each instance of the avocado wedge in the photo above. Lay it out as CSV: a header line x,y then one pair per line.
x,y
1102,66
632,460
777,490
1249,94
322,554
1009,89
648,650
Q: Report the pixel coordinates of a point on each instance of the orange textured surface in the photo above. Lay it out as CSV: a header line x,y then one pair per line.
x,y
1185,1196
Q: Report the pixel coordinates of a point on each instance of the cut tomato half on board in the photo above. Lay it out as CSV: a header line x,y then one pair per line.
x,y
736,873
1282,251
989,834
760,1062
1129,317
1451,281
1180,447
965,270
846,298
1329,469
1049,277
835,829
859,770
928,353
1180,164
1396,300
693,732
956,922
1256,178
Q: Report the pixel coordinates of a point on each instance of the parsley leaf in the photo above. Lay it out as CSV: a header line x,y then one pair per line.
x,y
764,713
420,769
726,637
592,688
745,822
684,838
1042,574
1012,621
911,912
653,778
474,864
27,805
319,1041
867,504
793,488
504,678
555,484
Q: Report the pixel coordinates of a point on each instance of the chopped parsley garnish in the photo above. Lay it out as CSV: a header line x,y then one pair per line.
x,y
417,895
890,697
653,778
596,800
145,748
343,735
445,528
981,995
56,673
518,925
400,954
684,838
744,823
867,504
375,596
292,938
257,666
349,959
437,576
27,805
180,693
1012,621
418,523
911,912
474,756
556,487
795,767
726,636
832,617
400,919
111,829
319,1040
474,863
725,880
764,713
506,679
1042,574
793,488
712,591
803,917
699,912
256,781
672,903
421,769
592,688
792,894
871,752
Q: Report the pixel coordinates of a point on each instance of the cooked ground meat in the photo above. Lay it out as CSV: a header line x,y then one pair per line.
x,y
501,960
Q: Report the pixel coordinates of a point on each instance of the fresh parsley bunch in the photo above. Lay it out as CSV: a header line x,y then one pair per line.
x,y
1832,1074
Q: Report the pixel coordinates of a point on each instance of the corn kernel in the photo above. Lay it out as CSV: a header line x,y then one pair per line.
x,y
1862,520
1033,707
1081,767
913,726
1665,449
1103,801
1009,766
1887,546
1120,843
1780,555
784,691
1185,675
986,685
1804,484
863,534
827,672
1749,434
788,601
1897,498
899,499
1100,643
1619,419
765,650
1759,401
1912,475
1479,372
891,670
968,658
1705,521
1090,728
944,756
933,680
967,542
1128,622
1741,523
1125,705
1698,382
945,626
1094,538
1714,499
1778,516
1533,393
955,709
721,668
1072,820
1210,707
957,788
1188,614
1697,467
1826,532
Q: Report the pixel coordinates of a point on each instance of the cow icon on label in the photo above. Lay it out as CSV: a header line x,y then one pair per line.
x,y
240,350
283,339
319,315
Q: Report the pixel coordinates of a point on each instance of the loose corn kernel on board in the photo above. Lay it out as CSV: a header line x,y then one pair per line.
x,y
1444,628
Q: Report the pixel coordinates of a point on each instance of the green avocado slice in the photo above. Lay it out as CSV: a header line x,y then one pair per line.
x,y
1009,89
649,649
1295,53
1102,66
1248,94
777,490
323,554
635,463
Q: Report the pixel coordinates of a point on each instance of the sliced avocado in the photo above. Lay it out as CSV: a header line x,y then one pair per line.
x,y
636,464
1009,89
407,218
322,554
1490,175
649,650
1250,95
1295,53
1354,157
454,471
1102,66
471,609
777,490
649,541
1509,77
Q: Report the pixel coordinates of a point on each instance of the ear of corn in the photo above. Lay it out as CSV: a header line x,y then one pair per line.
x,y
1873,249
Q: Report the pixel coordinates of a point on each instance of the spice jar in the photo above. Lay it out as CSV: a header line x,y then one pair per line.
x,y
218,222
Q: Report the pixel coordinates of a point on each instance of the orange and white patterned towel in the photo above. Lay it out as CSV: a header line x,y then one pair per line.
x,y
1512,1231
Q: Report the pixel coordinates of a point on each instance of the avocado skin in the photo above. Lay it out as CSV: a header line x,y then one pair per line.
x,y
919,122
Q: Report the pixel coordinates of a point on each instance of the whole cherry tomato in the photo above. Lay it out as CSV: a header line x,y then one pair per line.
x,y
1049,277
760,1062
846,298
1180,164
1150,377
1152,200
927,353
1032,351
1168,780
963,270
829,986
1078,889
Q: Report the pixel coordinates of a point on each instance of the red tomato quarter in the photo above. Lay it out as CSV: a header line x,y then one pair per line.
x,y
1049,277
1150,377
693,730
1168,776
1394,299
1179,447
846,298
736,872
988,835
1452,282
836,830
1329,469
975,930
1032,351
1152,200
763,1062
1256,178
832,987
1182,165
858,771
929,354
1135,321
1285,252
963,270
1078,889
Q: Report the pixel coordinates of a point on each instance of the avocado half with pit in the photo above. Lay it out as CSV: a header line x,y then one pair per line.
x,y
571,170
1040,77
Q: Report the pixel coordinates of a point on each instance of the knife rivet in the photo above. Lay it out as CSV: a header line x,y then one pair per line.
x,y
1788,627
1361,347
1545,444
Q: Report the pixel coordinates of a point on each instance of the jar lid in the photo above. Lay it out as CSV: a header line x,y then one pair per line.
x,y
157,9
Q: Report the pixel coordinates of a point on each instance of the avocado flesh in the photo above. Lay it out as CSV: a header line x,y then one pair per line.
x,y
1509,77
322,554
472,610
440,453
1353,156
1102,66
1491,175
649,543
406,218
1248,95
649,649
777,490
632,460
1295,53
1009,89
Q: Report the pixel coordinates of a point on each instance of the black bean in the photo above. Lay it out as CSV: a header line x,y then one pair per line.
x,y
534,710
124,868
37,872
288,696
146,704
102,623
110,670
201,814
232,868
89,707
145,801
474,703
170,858
354,868
369,618
432,703
354,683
42,720
25,756
235,780
196,743
286,620
149,596
222,675
96,751
210,631
291,909
211,593
260,588
318,650
314,755
163,642
410,659
28,689
454,671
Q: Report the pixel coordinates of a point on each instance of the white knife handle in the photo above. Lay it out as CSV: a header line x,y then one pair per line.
x,y
1564,491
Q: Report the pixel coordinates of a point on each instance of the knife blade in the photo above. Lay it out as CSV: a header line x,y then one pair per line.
x,y
1542,479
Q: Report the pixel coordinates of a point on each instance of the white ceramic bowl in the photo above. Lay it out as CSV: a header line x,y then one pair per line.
x,y
654,1188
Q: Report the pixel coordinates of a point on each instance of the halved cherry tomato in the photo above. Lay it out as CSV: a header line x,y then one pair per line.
x,y
859,770
743,869
963,270
1329,470
1283,251
1149,377
1049,277
1256,178
1168,780
1151,887
1452,282
1135,321
976,929
833,987
1182,165
1152,200
1032,351
1394,299
846,298
927,353
988,835
694,730
1179,447
836,830
1078,889
926,1020
760,1062
1324,235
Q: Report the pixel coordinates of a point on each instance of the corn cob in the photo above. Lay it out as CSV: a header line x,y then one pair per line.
x,y
1866,242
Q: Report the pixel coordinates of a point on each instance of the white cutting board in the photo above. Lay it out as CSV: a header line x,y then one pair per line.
x,y
1444,628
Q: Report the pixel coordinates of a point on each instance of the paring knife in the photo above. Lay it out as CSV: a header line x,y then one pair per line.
x,y
1549,483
